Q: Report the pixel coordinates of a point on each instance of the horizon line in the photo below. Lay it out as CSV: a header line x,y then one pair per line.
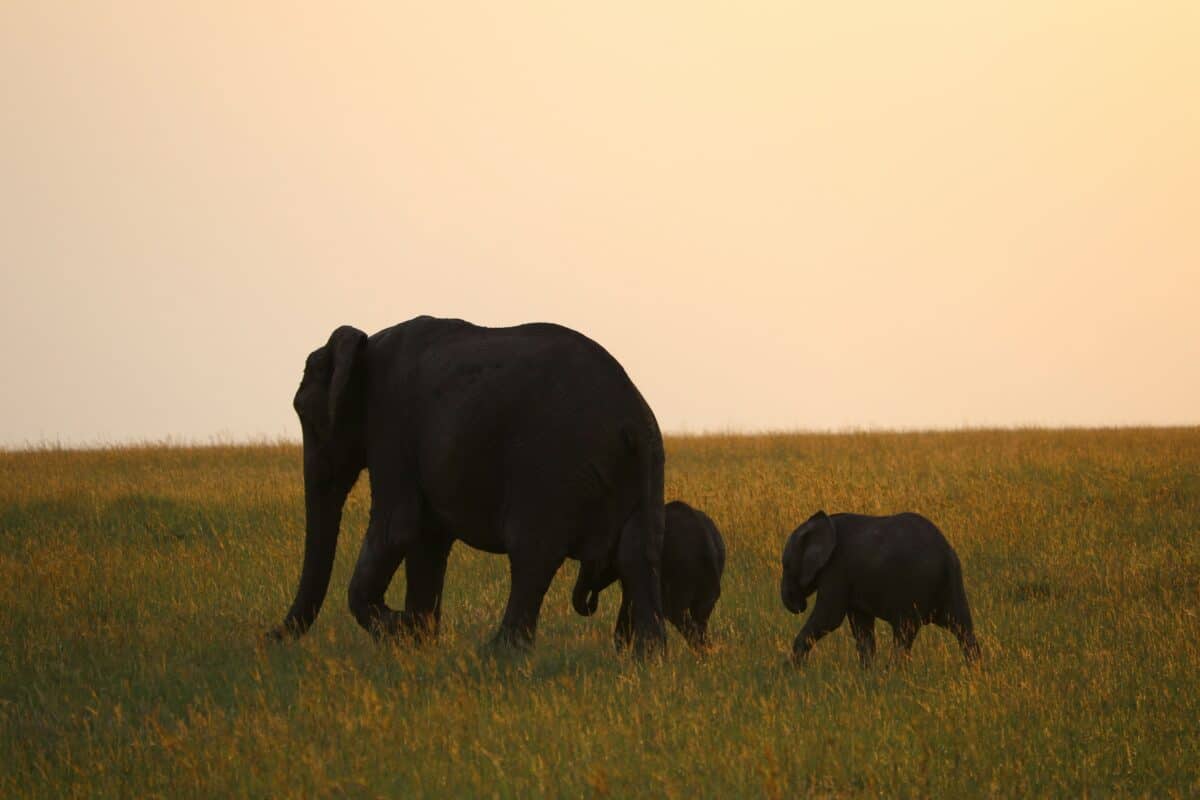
x,y
216,441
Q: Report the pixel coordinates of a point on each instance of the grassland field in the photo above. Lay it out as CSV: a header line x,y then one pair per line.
x,y
135,584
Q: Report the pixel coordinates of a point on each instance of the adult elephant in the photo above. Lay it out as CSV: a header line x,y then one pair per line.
x,y
529,441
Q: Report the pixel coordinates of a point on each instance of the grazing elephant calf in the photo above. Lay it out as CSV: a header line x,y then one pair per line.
x,y
899,569
693,559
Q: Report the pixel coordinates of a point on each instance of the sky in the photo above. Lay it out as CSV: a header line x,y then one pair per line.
x,y
787,215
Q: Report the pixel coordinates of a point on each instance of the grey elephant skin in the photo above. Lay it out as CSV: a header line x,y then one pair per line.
x,y
693,561
899,569
529,441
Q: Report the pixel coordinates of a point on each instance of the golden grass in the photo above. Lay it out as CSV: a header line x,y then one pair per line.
x,y
134,585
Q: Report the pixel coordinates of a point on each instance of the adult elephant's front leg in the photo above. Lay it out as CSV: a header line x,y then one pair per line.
x,y
532,572
425,574
384,547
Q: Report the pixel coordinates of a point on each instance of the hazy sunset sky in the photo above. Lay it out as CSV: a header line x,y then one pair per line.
x,y
776,216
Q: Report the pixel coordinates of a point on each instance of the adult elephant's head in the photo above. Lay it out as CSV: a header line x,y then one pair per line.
x,y
331,406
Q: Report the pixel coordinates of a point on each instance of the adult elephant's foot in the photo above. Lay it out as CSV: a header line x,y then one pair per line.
x,y
384,624
288,630
507,641
281,633
417,627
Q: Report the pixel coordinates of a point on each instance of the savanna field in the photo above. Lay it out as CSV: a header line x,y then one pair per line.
x,y
136,584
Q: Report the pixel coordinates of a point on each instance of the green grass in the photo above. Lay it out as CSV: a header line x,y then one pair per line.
x,y
135,584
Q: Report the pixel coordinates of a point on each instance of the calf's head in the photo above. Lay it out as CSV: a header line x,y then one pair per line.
x,y
806,553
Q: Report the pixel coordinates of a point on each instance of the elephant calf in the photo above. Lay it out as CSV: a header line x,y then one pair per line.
x,y
693,560
899,569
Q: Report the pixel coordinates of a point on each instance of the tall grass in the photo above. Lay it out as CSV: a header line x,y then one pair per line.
x,y
134,585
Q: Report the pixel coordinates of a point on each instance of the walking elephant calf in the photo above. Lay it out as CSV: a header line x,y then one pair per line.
x,y
693,560
899,569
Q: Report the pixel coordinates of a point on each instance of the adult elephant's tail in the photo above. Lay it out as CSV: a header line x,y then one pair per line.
x,y
639,552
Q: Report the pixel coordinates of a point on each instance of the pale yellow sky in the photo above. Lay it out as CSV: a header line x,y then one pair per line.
x,y
775,215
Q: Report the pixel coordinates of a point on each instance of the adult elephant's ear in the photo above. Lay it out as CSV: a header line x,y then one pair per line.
x,y
345,345
819,540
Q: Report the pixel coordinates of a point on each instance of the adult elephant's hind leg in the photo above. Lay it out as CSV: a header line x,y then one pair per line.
x,y
383,548
532,570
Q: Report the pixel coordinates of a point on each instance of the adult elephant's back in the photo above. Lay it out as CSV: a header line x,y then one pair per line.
x,y
530,432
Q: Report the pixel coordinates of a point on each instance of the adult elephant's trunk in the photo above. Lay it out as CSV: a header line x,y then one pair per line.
x,y
594,577
323,502
584,598
579,595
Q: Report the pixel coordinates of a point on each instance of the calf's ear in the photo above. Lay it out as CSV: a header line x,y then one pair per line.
x,y
820,538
